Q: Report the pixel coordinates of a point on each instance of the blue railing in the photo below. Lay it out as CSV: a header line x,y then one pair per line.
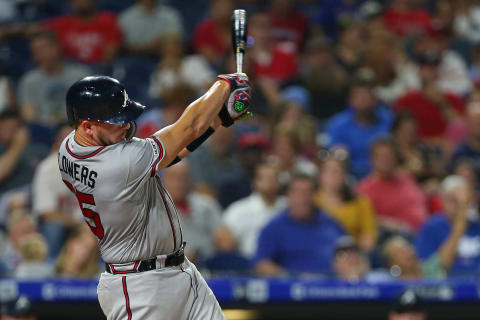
x,y
261,290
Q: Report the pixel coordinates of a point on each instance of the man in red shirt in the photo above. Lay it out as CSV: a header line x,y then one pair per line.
x,y
399,202
212,37
432,108
86,35
274,61
288,24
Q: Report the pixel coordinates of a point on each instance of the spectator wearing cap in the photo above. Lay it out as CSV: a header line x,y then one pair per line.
x,y
145,23
246,217
399,202
433,109
470,148
18,308
453,237
407,306
336,198
349,262
357,127
301,238
324,78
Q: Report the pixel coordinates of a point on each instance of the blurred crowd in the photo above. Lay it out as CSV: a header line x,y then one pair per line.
x,y
362,160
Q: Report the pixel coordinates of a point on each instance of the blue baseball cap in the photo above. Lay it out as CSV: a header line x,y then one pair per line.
x,y
297,94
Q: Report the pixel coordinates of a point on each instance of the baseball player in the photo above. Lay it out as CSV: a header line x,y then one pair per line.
x,y
113,176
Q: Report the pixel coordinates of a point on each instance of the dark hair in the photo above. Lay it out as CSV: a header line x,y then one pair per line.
x,y
346,191
298,175
45,34
385,140
10,114
401,118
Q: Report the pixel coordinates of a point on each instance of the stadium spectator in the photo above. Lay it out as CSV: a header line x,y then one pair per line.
x,y
145,23
402,261
79,257
398,200
199,214
18,156
349,262
331,13
407,306
86,35
286,153
34,251
175,100
38,10
8,98
246,217
212,37
42,90
314,232
420,160
176,68
274,61
20,226
467,19
56,207
470,148
287,24
358,126
350,48
402,18
452,75
453,237
432,108
293,111
324,78
336,198
215,161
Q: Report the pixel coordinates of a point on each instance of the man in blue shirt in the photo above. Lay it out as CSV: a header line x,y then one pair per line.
x,y
301,239
453,239
359,126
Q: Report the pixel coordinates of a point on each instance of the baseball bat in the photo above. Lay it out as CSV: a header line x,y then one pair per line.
x,y
239,36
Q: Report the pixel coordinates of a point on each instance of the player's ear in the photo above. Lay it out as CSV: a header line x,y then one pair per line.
x,y
87,127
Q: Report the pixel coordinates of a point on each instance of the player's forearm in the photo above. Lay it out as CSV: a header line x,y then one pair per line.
x,y
203,111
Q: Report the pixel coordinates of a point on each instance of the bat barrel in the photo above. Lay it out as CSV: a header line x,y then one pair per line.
x,y
239,36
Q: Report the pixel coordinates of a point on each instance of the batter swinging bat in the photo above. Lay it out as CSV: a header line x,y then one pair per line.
x,y
239,36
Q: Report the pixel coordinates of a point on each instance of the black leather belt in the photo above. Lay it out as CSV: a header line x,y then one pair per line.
x,y
173,259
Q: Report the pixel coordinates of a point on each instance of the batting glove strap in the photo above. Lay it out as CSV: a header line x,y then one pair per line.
x,y
236,80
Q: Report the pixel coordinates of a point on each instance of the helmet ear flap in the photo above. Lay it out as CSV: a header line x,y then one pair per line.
x,y
131,131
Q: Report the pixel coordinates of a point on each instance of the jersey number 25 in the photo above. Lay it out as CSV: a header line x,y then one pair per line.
x,y
85,198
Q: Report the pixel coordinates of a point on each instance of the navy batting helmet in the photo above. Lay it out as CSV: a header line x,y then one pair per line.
x,y
103,99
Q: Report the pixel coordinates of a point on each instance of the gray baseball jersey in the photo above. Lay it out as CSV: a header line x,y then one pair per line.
x,y
121,197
